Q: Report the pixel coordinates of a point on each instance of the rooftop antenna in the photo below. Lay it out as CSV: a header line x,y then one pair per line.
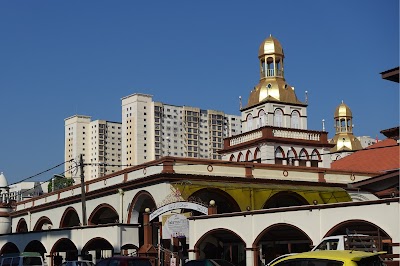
x,y
323,124
240,102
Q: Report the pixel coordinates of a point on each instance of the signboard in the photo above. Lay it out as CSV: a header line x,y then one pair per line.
x,y
178,205
175,225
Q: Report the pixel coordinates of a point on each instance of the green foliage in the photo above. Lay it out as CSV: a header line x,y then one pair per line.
x,y
59,183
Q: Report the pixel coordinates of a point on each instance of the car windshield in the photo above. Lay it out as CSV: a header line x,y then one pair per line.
x,y
28,261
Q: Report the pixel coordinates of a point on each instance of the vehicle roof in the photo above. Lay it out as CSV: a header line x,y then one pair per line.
x,y
339,255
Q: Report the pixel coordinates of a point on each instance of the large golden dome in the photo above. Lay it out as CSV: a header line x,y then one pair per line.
x,y
272,90
343,111
270,46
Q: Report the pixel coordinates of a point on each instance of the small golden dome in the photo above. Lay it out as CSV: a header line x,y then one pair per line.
x,y
270,46
343,111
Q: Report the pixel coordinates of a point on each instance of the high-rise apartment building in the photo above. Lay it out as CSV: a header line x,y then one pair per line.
x,y
98,141
151,130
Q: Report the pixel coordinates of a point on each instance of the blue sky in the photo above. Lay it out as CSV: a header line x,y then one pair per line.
x,y
60,58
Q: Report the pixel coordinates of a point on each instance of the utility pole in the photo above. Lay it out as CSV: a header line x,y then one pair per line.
x,y
83,194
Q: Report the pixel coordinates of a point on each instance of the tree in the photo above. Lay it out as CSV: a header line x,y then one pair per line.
x,y
59,182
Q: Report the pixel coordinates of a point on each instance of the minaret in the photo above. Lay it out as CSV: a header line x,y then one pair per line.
x,y
344,138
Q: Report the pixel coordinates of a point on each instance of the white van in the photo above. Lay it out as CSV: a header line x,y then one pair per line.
x,y
21,259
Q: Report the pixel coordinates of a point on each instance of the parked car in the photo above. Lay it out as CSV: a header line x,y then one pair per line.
x,y
22,259
279,257
77,263
208,262
124,261
332,258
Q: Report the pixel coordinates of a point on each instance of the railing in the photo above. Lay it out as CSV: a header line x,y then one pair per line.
x,y
282,133
271,73
245,138
275,133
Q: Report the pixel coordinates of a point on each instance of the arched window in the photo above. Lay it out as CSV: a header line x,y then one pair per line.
x,y
240,157
249,122
295,119
257,155
290,157
303,158
262,118
279,155
315,158
249,156
278,118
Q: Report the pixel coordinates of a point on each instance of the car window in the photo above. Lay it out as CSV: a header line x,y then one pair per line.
x,y
114,262
28,261
103,262
15,261
328,244
6,262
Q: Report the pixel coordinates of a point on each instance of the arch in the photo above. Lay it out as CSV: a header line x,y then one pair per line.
x,y
362,227
65,247
281,238
291,156
69,218
9,247
240,157
142,200
285,199
22,226
315,158
249,120
101,247
103,214
232,158
42,224
262,118
224,201
249,156
221,243
257,155
295,119
303,157
279,155
278,117
35,246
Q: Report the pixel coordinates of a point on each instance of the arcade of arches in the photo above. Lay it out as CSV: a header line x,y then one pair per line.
x,y
220,243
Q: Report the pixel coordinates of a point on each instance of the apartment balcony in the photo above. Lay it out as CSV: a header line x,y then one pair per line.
x,y
278,135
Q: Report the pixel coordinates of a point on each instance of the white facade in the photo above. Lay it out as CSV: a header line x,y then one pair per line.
x,y
151,130
98,141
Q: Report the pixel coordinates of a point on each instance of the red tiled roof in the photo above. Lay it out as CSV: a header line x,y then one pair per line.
x,y
380,157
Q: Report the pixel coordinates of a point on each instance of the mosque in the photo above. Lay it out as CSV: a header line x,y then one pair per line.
x,y
275,191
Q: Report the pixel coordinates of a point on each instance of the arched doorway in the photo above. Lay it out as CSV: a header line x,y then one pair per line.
x,y
103,214
97,248
63,249
280,239
22,226
70,218
366,228
222,244
36,246
9,247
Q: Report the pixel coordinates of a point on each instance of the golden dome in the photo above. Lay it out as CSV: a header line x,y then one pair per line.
x,y
270,46
273,90
343,111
